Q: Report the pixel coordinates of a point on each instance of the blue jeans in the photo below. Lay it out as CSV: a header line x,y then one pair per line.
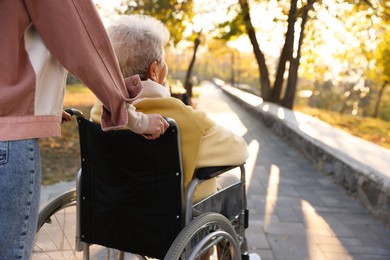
x,y
20,184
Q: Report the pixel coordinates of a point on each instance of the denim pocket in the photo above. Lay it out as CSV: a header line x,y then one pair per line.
x,y
3,152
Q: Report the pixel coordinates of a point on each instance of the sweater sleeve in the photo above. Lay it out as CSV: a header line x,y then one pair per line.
x,y
219,146
74,34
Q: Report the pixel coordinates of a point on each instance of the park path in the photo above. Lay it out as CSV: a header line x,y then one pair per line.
x,y
296,212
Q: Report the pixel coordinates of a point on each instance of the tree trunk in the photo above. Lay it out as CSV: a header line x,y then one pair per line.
x,y
286,54
288,100
289,96
232,69
379,99
264,74
187,82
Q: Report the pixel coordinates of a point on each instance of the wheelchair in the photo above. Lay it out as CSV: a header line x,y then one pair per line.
x,y
129,202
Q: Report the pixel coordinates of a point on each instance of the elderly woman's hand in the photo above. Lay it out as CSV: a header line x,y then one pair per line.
x,y
66,117
157,126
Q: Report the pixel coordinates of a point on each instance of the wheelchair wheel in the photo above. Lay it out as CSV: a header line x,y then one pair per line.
x,y
208,234
56,233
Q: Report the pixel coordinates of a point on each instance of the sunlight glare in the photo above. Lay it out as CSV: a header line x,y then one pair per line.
x,y
106,9
108,4
210,13
281,113
253,149
272,194
317,227
249,98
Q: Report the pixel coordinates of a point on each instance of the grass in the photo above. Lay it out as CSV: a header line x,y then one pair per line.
x,y
61,156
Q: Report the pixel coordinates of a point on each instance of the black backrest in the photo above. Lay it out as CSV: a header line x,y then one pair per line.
x,y
131,189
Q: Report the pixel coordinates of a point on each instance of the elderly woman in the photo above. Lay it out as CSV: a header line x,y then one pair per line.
x,y
139,43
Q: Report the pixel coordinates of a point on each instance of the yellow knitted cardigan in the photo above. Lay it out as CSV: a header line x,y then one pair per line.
x,y
203,142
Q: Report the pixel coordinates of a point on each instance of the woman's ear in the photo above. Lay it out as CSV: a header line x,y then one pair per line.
x,y
152,71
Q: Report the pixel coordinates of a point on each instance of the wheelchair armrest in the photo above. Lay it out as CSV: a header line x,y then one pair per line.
x,y
211,172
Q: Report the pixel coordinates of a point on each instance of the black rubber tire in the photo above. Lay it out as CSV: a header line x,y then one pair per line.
x,y
65,200
203,221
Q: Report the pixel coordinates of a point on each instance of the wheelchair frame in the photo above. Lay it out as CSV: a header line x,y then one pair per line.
x,y
201,224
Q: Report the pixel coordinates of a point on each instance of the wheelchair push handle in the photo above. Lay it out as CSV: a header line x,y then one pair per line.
x,y
74,112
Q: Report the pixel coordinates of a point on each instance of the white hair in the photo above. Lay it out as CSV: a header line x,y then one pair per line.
x,y
138,41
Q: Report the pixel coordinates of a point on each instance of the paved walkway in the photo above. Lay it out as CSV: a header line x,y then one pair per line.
x,y
295,211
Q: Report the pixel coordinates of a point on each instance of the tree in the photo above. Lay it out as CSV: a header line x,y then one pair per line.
x,y
377,14
383,69
175,14
265,83
187,82
295,16
288,100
